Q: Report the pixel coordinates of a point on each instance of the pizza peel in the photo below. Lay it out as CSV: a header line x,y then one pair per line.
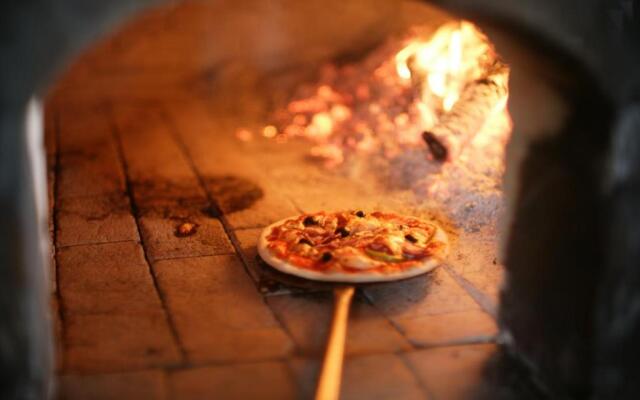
x,y
328,385
330,377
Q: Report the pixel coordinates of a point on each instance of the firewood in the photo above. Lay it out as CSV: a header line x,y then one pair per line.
x,y
457,128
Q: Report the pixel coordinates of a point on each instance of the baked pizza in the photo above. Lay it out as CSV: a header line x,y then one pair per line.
x,y
353,246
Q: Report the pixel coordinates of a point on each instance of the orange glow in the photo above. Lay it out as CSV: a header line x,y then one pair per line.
x,y
244,135
269,131
451,58
445,82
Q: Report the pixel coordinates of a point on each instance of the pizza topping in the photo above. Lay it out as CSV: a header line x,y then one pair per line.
x,y
342,219
301,261
362,224
382,256
411,250
305,250
330,224
279,247
410,238
353,241
352,258
293,235
315,231
308,221
421,235
292,224
387,243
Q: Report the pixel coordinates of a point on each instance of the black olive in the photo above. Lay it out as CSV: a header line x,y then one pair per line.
x,y
344,232
410,238
360,213
305,241
308,221
326,257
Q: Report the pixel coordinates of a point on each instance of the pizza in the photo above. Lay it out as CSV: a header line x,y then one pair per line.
x,y
353,246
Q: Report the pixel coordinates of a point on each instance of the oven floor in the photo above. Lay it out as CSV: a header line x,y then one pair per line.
x,y
137,147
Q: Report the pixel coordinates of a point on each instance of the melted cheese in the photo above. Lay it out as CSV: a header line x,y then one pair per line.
x,y
353,258
363,224
395,242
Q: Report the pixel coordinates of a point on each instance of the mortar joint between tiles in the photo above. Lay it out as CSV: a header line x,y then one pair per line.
x,y
134,210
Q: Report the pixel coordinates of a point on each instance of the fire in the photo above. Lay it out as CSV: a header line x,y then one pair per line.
x,y
441,95
448,61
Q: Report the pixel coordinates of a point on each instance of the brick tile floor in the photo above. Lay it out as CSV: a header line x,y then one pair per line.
x,y
218,314
458,327
118,342
95,219
89,162
135,149
57,331
148,385
363,378
232,176
433,310
264,380
158,232
436,367
369,331
106,278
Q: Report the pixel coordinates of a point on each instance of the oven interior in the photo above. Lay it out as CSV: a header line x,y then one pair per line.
x,y
172,142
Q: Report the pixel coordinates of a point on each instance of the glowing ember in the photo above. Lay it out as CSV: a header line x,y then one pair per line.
x,y
409,106
244,135
269,131
384,104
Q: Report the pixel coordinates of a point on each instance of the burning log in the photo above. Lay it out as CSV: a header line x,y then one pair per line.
x,y
450,84
457,128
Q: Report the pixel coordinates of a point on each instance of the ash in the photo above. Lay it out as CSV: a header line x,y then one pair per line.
x,y
366,120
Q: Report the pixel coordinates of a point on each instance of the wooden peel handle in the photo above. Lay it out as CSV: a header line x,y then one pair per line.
x,y
331,373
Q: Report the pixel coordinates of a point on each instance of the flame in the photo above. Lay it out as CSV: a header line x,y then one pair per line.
x,y
447,61
380,106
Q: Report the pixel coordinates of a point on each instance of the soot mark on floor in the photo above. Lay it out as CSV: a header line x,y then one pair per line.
x,y
232,193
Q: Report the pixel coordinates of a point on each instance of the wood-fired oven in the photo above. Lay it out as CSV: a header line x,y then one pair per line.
x,y
157,153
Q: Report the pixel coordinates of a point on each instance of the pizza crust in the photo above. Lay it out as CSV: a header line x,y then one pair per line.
x,y
364,276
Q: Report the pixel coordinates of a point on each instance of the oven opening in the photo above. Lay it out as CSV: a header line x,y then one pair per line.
x,y
177,143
